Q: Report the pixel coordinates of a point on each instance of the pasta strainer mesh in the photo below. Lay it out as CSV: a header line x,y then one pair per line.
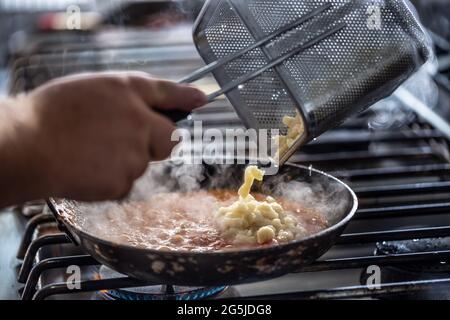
x,y
340,57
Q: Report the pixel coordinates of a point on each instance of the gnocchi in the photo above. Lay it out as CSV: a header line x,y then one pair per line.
x,y
249,221
295,131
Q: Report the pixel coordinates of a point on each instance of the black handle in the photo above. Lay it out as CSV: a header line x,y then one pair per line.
x,y
174,115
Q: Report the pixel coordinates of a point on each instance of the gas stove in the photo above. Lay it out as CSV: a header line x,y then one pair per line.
x,y
401,174
402,228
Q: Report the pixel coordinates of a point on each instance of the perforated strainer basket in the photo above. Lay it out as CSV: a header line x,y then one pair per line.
x,y
381,45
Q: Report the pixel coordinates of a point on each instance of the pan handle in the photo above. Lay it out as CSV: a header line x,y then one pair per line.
x,y
174,115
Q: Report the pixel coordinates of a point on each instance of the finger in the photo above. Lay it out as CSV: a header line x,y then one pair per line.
x,y
163,94
161,130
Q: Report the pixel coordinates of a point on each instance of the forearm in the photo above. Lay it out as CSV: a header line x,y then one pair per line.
x,y
20,175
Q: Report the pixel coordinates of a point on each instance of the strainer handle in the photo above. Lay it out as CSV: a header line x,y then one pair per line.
x,y
253,74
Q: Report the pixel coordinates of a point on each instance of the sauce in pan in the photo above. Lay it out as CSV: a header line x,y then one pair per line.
x,y
187,222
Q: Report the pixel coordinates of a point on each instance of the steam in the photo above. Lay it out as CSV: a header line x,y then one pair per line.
x,y
165,178
319,193
326,196
391,113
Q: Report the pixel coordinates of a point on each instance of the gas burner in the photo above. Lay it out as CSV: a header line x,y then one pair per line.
x,y
157,292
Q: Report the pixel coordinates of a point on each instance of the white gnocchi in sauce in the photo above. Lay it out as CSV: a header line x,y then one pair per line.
x,y
187,222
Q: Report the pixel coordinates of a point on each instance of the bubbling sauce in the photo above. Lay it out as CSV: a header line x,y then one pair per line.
x,y
185,222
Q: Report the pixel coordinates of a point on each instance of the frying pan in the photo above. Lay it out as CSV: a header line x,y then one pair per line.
x,y
330,196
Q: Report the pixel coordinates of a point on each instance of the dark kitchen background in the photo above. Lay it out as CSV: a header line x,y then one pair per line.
x,y
395,156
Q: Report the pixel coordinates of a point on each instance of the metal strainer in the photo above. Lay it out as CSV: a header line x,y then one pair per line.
x,y
324,59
